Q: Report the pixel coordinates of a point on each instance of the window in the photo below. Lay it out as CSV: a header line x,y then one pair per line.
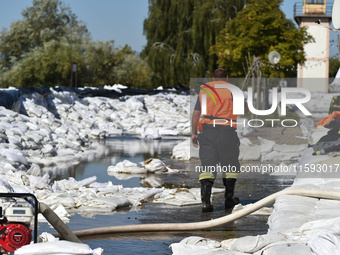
x,y
315,1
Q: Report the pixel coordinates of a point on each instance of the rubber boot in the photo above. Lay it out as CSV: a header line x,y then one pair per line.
x,y
206,186
230,201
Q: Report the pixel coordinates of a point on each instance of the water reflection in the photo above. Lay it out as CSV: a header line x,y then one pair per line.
x,y
118,149
132,146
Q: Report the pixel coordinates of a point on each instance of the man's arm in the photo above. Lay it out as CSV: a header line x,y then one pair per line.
x,y
195,118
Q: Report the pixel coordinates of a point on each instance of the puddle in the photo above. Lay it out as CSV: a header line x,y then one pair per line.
x,y
249,189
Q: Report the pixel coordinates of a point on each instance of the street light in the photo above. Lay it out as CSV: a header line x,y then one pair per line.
x,y
74,69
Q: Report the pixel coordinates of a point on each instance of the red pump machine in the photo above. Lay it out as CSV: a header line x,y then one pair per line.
x,y
18,215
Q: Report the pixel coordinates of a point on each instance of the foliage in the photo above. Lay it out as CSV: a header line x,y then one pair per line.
x,y
106,64
43,22
100,59
334,65
46,66
179,35
134,70
257,30
39,50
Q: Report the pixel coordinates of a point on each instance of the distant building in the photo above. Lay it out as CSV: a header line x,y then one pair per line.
x,y
314,14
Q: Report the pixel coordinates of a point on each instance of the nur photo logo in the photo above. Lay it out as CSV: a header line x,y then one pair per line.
x,y
283,100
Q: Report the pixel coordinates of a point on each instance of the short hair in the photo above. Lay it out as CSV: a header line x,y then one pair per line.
x,y
220,73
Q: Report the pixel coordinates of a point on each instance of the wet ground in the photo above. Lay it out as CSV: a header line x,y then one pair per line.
x,y
250,188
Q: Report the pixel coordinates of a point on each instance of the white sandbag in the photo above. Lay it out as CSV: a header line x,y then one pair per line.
x,y
264,211
178,195
155,165
5,187
285,156
266,145
115,87
151,134
291,212
138,195
5,125
227,244
196,245
243,130
87,181
60,198
151,181
270,157
14,155
168,132
38,182
15,178
294,203
64,184
14,140
317,133
126,166
52,248
288,248
288,148
133,104
47,237
182,150
8,167
312,227
62,213
48,149
307,157
324,243
251,244
245,141
251,153
110,201
182,196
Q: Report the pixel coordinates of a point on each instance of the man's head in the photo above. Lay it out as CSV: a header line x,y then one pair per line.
x,y
220,73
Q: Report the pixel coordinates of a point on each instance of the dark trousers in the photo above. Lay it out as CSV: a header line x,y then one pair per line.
x,y
219,152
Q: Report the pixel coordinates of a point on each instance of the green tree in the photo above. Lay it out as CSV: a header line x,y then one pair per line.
x,y
100,58
43,22
39,50
179,35
134,71
257,30
45,66
334,65
106,64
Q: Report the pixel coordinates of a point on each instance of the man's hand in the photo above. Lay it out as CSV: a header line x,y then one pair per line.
x,y
195,118
194,140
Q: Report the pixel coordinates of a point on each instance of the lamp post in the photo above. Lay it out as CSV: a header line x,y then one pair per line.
x,y
74,69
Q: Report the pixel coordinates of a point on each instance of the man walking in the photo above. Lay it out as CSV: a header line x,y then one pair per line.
x,y
218,140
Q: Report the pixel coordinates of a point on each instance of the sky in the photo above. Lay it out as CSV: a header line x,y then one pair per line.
x,y
118,20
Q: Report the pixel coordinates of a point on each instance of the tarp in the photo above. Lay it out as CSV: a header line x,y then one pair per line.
x,y
328,119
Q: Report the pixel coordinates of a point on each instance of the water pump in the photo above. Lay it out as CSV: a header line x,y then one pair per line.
x,y
18,215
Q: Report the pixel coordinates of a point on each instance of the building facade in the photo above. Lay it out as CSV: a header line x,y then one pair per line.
x,y
316,15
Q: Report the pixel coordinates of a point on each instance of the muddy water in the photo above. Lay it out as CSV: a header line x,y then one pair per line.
x,y
250,188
